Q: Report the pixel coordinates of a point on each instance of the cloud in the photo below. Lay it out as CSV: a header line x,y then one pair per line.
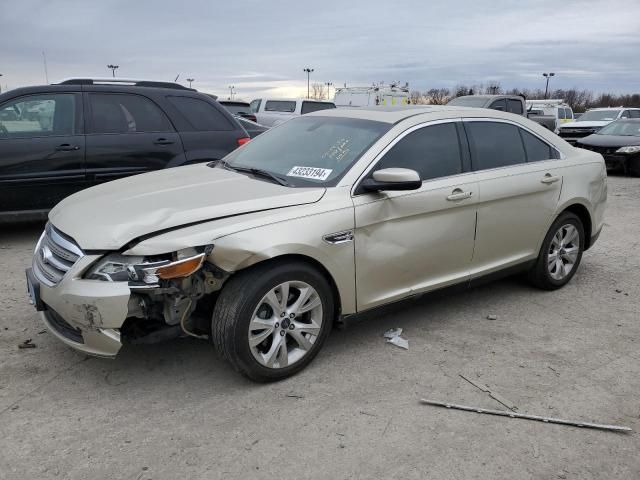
x,y
262,47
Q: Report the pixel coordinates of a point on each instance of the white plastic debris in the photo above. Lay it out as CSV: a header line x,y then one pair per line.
x,y
399,342
393,332
393,337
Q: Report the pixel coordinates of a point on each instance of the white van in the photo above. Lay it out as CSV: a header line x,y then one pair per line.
x,y
273,111
556,108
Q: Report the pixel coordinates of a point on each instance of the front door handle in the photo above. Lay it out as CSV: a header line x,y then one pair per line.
x,y
458,194
548,179
163,141
67,147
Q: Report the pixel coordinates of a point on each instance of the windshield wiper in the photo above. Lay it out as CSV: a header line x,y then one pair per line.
x,y
258,172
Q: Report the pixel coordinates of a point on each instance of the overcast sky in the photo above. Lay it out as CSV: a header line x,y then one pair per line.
x,y
262,46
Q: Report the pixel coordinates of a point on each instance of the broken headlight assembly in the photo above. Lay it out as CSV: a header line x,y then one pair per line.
x,y
149,271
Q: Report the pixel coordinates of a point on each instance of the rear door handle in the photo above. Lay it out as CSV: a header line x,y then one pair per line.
x,y
67,147
163,141
548,179
458,194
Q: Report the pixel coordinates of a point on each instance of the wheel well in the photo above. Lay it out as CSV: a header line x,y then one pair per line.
x,y
315,264
583,214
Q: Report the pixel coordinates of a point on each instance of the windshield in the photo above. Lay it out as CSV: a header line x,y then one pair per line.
x,y
309,151
626,129
598,115
469,101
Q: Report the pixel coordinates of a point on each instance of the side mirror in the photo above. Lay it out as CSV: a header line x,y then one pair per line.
x,y
392,179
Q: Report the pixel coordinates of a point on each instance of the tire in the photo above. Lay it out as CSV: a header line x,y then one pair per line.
x,y
252,299
633,166
551,276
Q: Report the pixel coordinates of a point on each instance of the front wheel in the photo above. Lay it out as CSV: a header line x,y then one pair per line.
x,y
270,321
560,253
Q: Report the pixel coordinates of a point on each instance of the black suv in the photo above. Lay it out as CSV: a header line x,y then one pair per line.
x,y
58,139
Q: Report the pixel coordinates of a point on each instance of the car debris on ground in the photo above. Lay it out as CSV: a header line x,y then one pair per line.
x,y
505,413
498,398
393,336
27,344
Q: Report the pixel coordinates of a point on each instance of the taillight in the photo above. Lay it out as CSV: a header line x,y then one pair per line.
x,y
243,140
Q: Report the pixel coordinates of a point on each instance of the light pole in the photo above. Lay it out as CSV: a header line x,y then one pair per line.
x,y
328,84
0,85
546,88
231,88
113,69
190,80
308,71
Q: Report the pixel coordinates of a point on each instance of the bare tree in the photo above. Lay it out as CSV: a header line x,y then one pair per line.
x,y
493,88
317,91
415,97
438,96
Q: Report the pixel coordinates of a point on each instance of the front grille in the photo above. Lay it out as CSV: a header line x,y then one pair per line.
x,y
576,132
600,150
54,256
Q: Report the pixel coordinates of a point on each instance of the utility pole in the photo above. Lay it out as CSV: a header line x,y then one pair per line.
x,y
308,71
0,85
328,84
190,80
113,69
46,74
546,88
231,88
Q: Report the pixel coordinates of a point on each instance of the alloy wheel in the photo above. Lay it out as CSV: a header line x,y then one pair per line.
x,y
285,324
563,251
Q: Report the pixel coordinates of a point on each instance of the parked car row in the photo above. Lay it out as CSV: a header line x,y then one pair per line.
x,y
58,139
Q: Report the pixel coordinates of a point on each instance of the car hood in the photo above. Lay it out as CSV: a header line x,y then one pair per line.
x,y
109,216
610,140
585,124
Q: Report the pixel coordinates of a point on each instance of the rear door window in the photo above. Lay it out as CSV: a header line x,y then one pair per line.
x,y
499,105
432,151
308,107
39,116
200,114
125,113
514,106
280,106
536,149
494,145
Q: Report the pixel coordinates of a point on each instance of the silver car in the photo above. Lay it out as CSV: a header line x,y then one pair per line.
x,y
320,219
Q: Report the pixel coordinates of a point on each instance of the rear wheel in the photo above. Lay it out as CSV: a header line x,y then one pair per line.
x,y
269,322
560,253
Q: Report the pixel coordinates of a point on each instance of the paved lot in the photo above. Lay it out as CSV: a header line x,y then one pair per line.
x,y
175,410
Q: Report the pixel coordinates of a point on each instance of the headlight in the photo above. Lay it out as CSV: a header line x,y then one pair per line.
x,y
629,149
121,268
557,131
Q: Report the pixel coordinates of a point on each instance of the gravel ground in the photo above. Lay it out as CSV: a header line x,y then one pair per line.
x,y
175,410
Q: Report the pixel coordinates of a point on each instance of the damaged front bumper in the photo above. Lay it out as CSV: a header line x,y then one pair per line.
x,y
84,314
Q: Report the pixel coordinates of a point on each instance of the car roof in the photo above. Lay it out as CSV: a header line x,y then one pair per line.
x,y
397,114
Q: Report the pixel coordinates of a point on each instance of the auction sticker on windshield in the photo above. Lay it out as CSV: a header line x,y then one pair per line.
x,y
310,172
